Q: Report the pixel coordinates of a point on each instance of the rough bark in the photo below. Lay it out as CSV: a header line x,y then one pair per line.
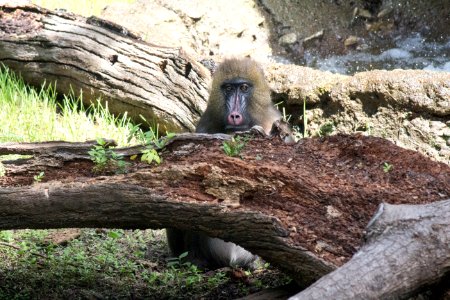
x,y
302,207
407,248
104,60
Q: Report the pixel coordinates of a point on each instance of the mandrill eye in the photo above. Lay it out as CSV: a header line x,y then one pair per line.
x,y
244,87
228,87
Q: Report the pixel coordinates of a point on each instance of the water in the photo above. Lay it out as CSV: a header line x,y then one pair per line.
x,y
412,52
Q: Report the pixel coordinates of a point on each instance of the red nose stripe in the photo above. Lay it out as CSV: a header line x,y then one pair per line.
x,y
235,117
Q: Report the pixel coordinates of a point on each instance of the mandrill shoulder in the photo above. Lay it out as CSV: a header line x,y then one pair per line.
x,y
209,123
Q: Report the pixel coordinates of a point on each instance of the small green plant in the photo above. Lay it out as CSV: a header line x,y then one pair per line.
x,y
6,235
235,146
115,234
219,278
99,154
193,276
185,269
150,155
2,169
387,167
433,143
151,136
178,262
39,177
106,159
120,165
305,119
365,127
243,288
326,129
151,140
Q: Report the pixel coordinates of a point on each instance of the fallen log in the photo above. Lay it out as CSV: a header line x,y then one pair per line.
x,y
103,60
302,207
407,248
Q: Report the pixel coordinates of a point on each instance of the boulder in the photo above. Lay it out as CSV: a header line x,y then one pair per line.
x,y
211,28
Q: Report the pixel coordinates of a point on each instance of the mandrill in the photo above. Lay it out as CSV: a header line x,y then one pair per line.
x,y
239,100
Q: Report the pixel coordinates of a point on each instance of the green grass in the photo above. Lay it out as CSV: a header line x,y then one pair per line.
x,y
82,7
29,115
110,264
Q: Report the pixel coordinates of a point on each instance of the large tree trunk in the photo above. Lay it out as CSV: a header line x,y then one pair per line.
x,y
104,60
302,207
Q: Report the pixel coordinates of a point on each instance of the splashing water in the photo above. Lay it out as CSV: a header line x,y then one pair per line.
x,y
412,52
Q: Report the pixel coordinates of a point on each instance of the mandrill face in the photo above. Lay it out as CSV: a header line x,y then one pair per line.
x,y
237,93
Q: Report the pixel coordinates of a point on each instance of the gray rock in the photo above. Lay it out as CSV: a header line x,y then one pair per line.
x,y
288,39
